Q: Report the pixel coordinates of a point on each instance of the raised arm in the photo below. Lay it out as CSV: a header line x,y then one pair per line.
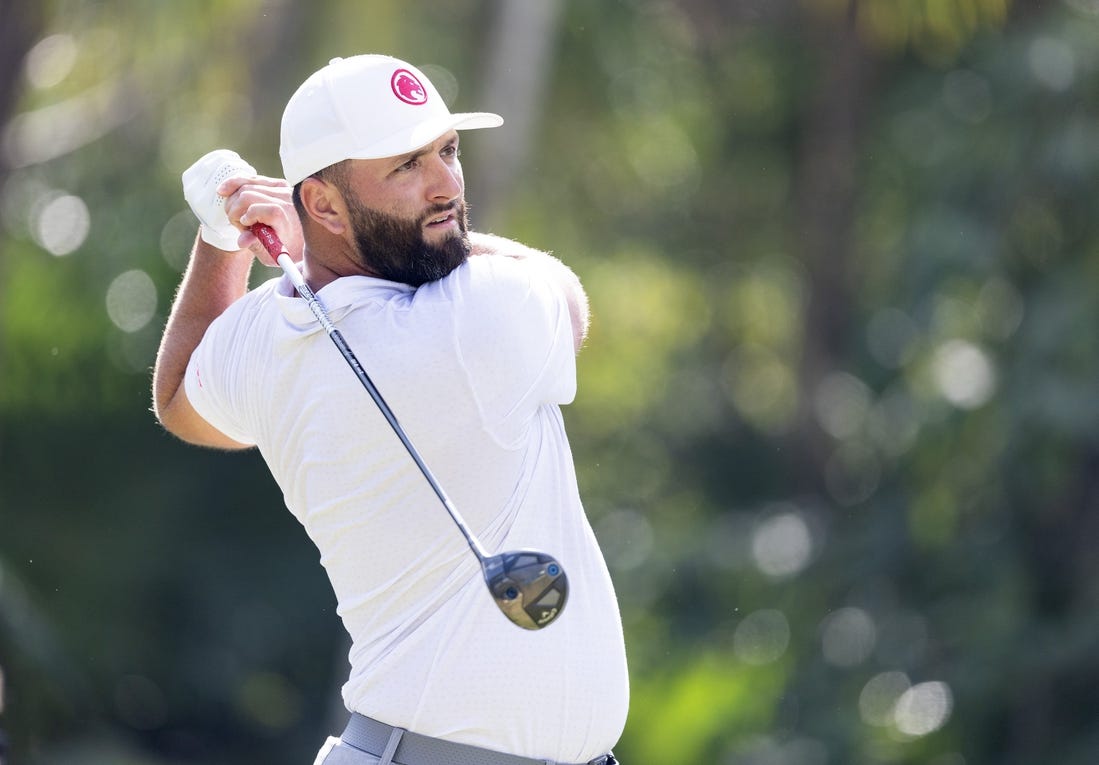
x,y
214,279
551,269
216,276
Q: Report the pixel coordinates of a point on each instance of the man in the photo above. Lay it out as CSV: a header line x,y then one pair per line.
x,y
472,341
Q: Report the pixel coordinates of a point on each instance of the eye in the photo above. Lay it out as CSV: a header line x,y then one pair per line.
x,y
409,165
452,151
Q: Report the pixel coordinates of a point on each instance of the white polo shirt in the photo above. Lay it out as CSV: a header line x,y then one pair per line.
x,y
475,367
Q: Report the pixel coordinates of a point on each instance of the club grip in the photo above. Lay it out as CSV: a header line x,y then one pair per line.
x,y
269,238
273,245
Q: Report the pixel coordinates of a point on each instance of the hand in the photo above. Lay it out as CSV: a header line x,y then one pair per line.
x,y
200,188
259,199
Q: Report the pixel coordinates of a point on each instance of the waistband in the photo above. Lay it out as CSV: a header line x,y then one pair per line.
x,y
403,747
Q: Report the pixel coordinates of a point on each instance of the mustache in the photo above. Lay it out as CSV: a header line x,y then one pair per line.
x,y
441,209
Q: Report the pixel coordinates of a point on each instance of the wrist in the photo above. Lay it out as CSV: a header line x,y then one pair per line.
x,y
218,263
221,238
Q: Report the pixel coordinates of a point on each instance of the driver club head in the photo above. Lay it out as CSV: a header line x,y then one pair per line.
x,y
530,587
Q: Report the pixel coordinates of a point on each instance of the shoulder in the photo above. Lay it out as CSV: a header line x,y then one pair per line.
x,y
482,278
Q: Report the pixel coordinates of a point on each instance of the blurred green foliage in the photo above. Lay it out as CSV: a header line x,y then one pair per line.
x,y
837,427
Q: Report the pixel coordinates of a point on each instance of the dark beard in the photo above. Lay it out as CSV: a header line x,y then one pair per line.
x,y
394,248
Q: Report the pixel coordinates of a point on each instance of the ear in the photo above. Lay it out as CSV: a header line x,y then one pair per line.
x,y
324,204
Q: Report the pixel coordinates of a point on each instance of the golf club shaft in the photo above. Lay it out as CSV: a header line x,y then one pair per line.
x,y
274,246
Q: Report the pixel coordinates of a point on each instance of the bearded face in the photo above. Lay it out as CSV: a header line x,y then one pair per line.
x,y
395,249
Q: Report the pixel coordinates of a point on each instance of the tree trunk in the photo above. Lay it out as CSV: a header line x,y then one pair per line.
x,y
825,193
517,71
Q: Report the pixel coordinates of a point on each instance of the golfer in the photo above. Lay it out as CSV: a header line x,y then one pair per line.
x,y
472,340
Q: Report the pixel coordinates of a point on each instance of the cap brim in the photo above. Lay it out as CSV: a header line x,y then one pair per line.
x,y
333,149
426,132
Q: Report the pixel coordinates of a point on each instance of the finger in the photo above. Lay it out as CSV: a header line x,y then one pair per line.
x,y
246,197
248,206
249,241
272,213
232,185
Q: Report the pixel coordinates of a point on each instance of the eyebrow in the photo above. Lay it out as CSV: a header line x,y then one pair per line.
x,y
404,158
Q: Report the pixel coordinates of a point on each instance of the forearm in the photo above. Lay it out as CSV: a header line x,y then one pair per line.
x,y
214,279
553,270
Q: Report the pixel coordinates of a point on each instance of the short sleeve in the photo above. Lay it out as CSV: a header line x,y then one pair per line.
x,y
213,380
515,342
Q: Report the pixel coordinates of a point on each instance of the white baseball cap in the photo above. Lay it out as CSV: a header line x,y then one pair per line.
x,y
365,107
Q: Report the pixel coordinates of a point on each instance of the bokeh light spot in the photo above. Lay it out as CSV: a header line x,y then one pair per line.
x,y
268,698
131,300
967,95
964,374
177,238
848,637
60,223
762,637
762,387
664,157
841,404
50,61
626,537
782,545
894,421
1052,63
879,697
923,708
853,473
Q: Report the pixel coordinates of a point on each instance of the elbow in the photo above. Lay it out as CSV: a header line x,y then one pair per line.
x,y
179,418
171,423
578,313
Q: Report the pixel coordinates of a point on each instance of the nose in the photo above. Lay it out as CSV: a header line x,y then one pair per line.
x,y
445,181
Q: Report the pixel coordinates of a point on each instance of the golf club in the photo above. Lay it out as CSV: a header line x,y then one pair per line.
x,y
529,586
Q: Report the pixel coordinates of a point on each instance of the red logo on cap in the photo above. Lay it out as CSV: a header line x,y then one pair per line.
x,y
407,88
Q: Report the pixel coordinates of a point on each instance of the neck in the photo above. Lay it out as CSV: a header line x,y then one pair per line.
x,y
326,262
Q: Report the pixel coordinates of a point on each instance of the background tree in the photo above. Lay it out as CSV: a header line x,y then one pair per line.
x,y
837,425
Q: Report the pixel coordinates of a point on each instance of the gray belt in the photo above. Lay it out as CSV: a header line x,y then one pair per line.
x,y
407,748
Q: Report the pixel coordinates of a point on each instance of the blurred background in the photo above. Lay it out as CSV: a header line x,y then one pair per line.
x,y
837,427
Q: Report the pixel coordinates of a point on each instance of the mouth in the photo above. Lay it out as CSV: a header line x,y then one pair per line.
x,y
441,219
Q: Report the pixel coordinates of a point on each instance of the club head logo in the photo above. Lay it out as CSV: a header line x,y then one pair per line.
x,y
407,88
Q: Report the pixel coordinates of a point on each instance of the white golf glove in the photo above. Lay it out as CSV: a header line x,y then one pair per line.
x,y
200,182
